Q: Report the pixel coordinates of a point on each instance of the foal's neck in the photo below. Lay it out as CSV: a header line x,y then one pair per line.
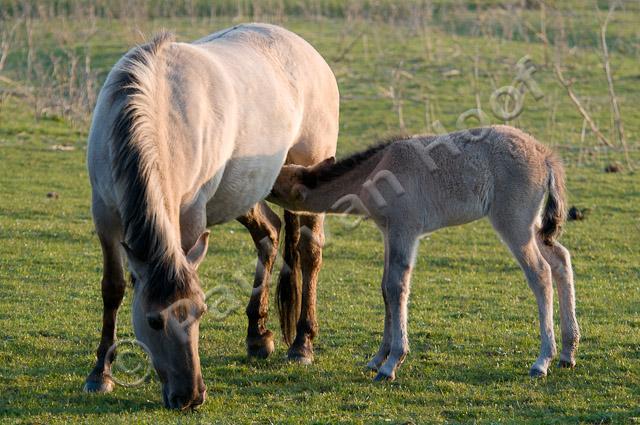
x,y
339,194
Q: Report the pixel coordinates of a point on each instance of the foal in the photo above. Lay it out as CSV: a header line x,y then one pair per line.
x,y
414,186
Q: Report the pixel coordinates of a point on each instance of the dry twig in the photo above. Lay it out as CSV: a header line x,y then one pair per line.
x,y
617,119
567,85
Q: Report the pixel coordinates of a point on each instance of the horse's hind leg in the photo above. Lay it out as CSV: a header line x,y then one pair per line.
x,y
559,259
518,235
264,226
109,230
310,249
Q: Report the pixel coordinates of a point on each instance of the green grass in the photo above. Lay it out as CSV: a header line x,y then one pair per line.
x,y
473,322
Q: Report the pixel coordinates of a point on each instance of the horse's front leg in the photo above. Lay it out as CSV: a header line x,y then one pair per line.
x,y
113,286
264,226
310,248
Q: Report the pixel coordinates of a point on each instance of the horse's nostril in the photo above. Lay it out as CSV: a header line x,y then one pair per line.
x,y
177,401
200,399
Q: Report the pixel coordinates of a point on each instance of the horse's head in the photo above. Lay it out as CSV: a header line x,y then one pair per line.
x,y
169,323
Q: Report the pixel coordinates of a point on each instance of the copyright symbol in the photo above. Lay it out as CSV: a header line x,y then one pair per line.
x,y
132,366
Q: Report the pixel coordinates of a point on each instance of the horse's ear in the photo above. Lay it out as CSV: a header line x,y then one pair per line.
x,y
199,250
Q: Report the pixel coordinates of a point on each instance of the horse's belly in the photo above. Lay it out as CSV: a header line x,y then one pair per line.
x,y
245,182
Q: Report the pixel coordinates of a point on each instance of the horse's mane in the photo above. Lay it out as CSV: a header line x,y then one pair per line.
x,y
136,92
348,163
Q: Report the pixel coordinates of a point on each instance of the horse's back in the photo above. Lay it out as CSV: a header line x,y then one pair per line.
x,y
254,50
234,107
282,107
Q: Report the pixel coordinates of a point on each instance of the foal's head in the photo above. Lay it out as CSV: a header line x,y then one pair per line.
x,y
294,182
167,307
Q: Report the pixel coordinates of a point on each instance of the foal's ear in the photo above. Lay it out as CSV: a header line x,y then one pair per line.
x,y
323,164
299,192
199,250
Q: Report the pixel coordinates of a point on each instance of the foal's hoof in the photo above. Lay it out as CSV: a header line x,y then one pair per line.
x,y
534,372
98,386
567,364
381,377
261,346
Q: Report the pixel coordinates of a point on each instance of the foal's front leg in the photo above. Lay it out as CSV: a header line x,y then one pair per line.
x,y
385,345
400,264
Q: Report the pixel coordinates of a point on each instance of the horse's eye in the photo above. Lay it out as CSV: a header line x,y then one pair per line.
x,y
155,320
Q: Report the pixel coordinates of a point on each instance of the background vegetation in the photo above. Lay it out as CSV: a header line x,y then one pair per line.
x,y
401,67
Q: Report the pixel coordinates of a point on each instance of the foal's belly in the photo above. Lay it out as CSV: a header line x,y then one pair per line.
x,y
243,183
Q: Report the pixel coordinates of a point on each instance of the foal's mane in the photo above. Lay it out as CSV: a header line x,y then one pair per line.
x,y
137,92
344,165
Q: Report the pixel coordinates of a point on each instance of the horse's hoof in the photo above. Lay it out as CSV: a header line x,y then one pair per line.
x,y
302,354
98,386
567,364
299,358
534,372
261,347
381,377
372,366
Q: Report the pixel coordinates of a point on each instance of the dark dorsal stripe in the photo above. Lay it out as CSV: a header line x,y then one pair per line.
x,y
141,231
347,164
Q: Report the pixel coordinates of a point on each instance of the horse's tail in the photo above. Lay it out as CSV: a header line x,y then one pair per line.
x,y
554,213
289,286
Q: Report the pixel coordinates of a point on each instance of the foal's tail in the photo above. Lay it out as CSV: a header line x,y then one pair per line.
x,y
555,213
289,286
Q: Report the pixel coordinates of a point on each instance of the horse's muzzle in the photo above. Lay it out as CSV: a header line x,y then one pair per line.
x,y
182,402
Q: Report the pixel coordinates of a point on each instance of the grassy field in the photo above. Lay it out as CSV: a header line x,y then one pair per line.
x,y
473,322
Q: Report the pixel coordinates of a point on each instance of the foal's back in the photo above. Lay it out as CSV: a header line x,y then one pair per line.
x,y
463,176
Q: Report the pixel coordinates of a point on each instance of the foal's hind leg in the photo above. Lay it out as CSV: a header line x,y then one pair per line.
x,y
522,243
310,249
559,259
264,226
109,231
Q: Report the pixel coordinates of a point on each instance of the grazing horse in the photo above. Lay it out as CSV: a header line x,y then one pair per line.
x,y
414,186
188,135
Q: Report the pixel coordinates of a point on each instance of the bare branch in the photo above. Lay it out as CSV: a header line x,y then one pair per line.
x,y
567,85
5,43
617,119
349,47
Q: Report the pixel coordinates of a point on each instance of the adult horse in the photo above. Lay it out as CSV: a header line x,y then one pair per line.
x,y
185,136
